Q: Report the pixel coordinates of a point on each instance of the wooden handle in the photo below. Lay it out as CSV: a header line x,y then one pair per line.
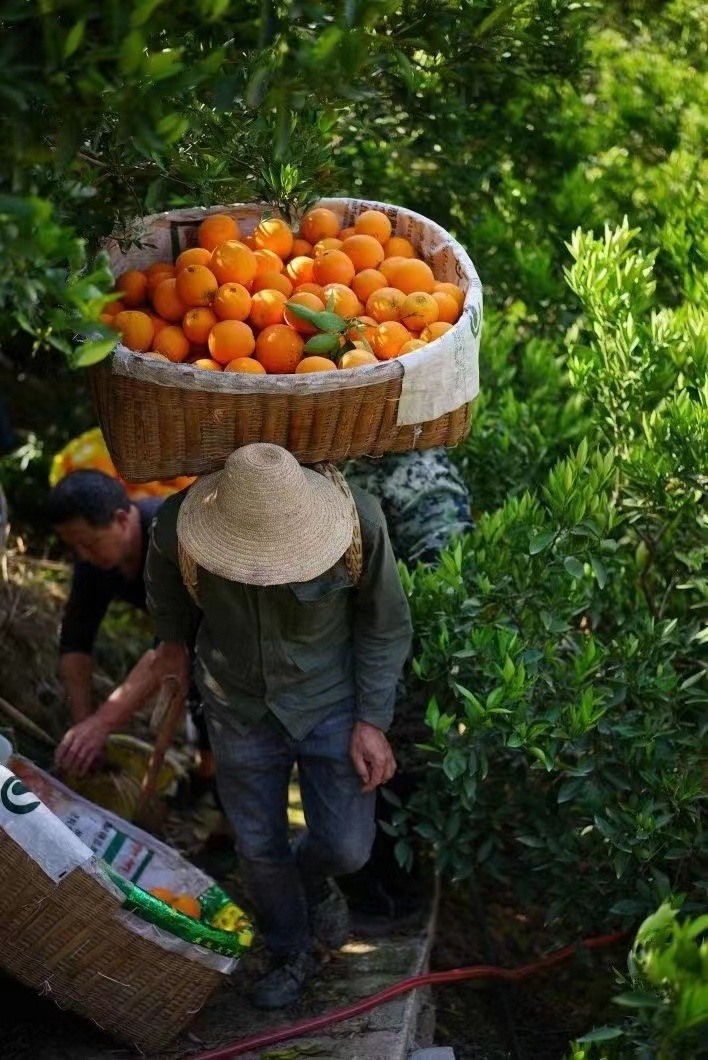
x,y
26,723
166,717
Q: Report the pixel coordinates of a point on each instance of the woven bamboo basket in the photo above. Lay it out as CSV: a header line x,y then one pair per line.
x,y
162,420
68,931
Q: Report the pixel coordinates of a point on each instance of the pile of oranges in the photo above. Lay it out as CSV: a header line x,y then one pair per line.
x,y
231,303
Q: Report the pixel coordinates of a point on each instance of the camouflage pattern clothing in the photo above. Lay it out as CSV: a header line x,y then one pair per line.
x,y
426,504
423,496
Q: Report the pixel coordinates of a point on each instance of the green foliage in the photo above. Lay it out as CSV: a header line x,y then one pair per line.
x,y
115,110
666,994
562,640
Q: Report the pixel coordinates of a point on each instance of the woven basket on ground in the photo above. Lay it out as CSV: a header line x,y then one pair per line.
x,y
70,933
161,420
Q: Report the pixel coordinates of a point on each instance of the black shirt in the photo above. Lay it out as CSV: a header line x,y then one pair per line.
x,y
93,589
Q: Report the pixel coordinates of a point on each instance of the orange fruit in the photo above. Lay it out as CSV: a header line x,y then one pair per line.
x,y
279,348
158,324
389,338
333,266
316,364
245,364
346,232
229,339
268,261
217,228
166,302
356,358
389,265
159,266
207,364
341,300
319,223
448,309
232,302
366,282
418,310
157,277
274,234
310,288
434,331
234,262
187,904
197,323
310,301
155,356
398,246
192,256
300,247
136,329
413,344
362,328
413,275
132,287
385,304
365,252
114,307
196,285
172,343
163,894
373,223
106,318
300,269
452,289
267,308
274,281
326,244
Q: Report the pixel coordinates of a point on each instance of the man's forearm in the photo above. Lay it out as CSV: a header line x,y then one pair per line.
x,y
142,682
75,670
125,700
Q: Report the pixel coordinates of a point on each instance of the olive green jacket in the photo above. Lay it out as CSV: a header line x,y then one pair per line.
x,y
295,650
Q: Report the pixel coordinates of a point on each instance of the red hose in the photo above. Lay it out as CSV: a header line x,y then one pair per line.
x,y
455,975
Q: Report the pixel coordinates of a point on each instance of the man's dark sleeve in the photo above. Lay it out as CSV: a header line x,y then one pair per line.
x,y
90,595
382,623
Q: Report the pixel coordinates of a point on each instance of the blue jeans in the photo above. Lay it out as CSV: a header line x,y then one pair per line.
x,y
252,775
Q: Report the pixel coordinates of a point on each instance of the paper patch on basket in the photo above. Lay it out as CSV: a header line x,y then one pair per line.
x,y
439,378
33,827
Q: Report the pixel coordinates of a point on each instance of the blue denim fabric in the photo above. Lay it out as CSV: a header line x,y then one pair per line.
x,y
253,772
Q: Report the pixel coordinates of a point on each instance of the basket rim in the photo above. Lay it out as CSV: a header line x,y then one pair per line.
x,y
125,362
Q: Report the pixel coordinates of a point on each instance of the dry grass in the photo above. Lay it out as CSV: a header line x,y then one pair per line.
x,y
32,595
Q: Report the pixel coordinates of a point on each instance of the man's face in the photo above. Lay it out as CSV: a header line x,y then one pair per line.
x,y
103,546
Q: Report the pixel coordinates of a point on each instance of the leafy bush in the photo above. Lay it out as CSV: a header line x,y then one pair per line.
x,y
666,994
562,640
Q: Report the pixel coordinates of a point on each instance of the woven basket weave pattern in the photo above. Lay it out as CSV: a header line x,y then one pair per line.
x,y
68,941
153,431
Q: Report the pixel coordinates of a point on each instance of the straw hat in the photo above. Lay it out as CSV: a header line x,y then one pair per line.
x,y
264,519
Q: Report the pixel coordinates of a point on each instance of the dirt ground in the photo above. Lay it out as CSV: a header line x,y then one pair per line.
x,y
480,1020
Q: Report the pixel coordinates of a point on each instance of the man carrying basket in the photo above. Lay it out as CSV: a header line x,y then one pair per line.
x,y
304,633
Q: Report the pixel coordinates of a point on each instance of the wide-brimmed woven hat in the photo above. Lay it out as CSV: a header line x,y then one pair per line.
x,y
264,519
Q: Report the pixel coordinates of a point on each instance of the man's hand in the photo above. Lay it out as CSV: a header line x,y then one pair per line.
x,y
82,746
371,755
